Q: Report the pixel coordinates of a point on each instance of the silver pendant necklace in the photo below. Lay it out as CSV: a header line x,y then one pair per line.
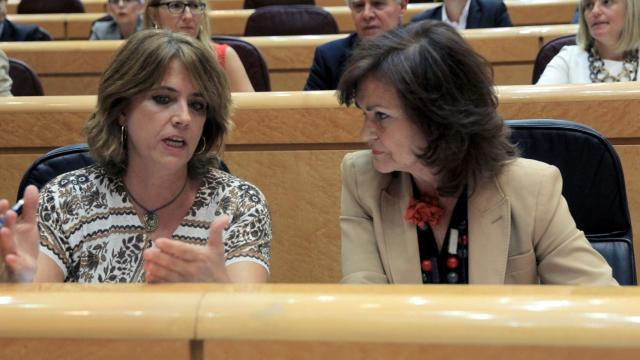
x,y
150,218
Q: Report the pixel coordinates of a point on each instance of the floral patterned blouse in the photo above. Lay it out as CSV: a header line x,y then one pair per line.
x,y
90,229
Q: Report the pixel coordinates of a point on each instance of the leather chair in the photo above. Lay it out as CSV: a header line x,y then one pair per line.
x,y
547,52
254,4
50,6
252,60
280,20
593,185
59,161
25,80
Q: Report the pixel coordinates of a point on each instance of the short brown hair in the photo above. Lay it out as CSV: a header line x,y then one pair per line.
x,y
446,90
138,66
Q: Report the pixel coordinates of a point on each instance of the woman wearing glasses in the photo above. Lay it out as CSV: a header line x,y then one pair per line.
x,y
190,17
125,18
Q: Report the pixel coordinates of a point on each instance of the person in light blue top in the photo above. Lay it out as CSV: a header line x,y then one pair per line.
x,y
124,19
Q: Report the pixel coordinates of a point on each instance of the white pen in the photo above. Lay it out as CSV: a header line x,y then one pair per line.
x,y
16,208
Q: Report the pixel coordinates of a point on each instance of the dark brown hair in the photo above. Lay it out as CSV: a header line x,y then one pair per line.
x,y
138,66
446,90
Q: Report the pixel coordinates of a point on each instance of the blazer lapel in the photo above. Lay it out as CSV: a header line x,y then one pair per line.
x,y
400,239
489,234
474,18
437,14
7,31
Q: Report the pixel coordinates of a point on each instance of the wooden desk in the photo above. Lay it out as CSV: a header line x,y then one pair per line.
x,y
291,145
74,67
233,21
223,22
93,6
318,321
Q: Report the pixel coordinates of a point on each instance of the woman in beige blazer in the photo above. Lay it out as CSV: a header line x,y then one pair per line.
x,y
441,196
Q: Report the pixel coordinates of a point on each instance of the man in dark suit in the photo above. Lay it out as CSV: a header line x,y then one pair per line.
x,y
371,18
19,32
469,14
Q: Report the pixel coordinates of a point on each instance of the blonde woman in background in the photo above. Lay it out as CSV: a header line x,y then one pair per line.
x,y
608,45
190,17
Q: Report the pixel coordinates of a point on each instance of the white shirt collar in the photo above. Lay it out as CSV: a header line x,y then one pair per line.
x,y
462,23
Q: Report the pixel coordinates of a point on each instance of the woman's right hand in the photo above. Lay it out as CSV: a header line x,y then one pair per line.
x,y
19,238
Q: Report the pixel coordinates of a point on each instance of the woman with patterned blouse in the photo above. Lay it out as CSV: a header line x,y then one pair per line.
x,y
155,207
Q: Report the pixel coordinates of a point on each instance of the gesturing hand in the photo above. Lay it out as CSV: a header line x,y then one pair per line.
x,y
176,261
19,239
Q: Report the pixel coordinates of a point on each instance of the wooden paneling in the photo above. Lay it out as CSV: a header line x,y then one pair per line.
x,y
311,350
74,67
96,6
82,349
223,22
233,21
291,145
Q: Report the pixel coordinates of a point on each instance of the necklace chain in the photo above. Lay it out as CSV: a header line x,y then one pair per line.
x,y
598,73
150,218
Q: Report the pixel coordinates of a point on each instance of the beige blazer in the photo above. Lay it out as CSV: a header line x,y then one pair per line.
x,y
520,229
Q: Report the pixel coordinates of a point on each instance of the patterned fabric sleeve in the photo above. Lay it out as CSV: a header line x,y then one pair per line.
x,y
248,236
53,242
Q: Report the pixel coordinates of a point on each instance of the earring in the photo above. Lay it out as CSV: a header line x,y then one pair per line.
x,y
204,146
155,26
123,136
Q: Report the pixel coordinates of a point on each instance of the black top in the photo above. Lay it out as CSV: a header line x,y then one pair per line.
x,y
450,265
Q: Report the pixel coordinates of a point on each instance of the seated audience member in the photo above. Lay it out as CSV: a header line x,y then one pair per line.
x,y
371,18
19,32
608,45
190,17
469,14
5,80
441,196
154,207
126,18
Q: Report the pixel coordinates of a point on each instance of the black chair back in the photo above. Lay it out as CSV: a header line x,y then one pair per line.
x,y
593,185
25,80
252,60
50,6
281,20
59,161
254,4
547,52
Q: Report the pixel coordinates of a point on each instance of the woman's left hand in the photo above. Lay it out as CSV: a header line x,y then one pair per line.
x,y
176,261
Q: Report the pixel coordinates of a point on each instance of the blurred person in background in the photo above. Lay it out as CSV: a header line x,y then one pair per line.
x,y
125,18
190,17
608,45
371,18
469,14
19,32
